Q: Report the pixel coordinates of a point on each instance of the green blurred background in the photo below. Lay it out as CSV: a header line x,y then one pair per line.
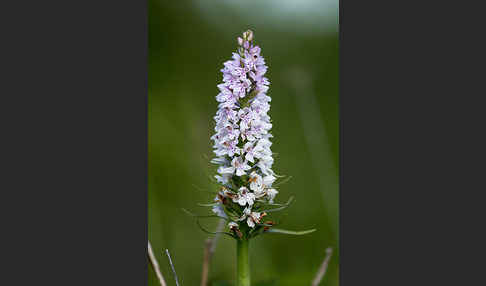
x,y
188,43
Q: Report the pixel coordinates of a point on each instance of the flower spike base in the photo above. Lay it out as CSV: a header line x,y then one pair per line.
x,y
242,263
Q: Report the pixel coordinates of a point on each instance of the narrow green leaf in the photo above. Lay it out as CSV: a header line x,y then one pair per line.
x,y
202,216
284,231
212,232
204,190
283,181
283,206
197,217
207,205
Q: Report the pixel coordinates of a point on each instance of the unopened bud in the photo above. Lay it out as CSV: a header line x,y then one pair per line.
x,y
234,227
248,35
240,41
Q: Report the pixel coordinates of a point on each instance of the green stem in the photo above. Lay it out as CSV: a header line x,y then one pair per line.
x,y
243,263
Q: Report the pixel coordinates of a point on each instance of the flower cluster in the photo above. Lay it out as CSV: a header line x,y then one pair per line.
x,y
242,139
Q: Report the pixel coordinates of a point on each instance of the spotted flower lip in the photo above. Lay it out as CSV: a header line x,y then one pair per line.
x,y
254,218
240,166
242,131
256,182
271,193
244,197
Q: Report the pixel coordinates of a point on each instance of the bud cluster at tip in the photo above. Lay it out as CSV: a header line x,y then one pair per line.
x,y
242,140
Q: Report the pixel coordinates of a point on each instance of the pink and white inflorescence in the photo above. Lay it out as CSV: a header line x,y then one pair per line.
x,y
242,139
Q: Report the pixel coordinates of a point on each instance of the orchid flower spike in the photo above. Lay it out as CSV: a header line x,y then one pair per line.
x,y
242,137
242,144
